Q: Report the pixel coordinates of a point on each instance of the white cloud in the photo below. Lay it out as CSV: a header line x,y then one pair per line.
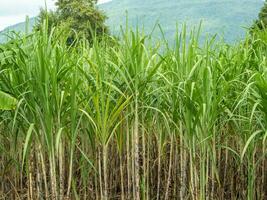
x,y
15,11
17,7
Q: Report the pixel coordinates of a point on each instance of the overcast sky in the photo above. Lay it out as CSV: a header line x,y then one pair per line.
x,y
15,11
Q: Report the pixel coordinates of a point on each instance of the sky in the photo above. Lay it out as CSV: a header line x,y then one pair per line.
x,y
15,11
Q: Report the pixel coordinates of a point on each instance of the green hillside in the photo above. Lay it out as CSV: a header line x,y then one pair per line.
x,y
20,28
226,17
219,16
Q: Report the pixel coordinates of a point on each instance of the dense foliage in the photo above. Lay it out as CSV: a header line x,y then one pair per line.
x,y
261,22
133,120
80,16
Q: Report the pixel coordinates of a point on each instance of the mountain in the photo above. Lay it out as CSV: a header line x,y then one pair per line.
x,y
20,28
225,17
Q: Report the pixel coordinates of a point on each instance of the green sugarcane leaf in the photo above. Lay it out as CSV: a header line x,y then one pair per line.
x,y
27,143
7,102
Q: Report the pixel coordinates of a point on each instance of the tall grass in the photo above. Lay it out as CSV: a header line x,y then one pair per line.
x,y
125,119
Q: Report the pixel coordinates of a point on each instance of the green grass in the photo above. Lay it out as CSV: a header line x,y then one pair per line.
x,y
133,119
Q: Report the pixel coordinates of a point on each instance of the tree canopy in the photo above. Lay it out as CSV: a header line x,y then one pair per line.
x,y
81,16
261,22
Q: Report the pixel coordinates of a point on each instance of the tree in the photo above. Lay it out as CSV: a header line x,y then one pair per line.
x,y
261,22
81,16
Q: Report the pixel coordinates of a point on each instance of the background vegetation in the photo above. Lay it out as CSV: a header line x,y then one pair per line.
x,y
261,22
80,16
225,18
